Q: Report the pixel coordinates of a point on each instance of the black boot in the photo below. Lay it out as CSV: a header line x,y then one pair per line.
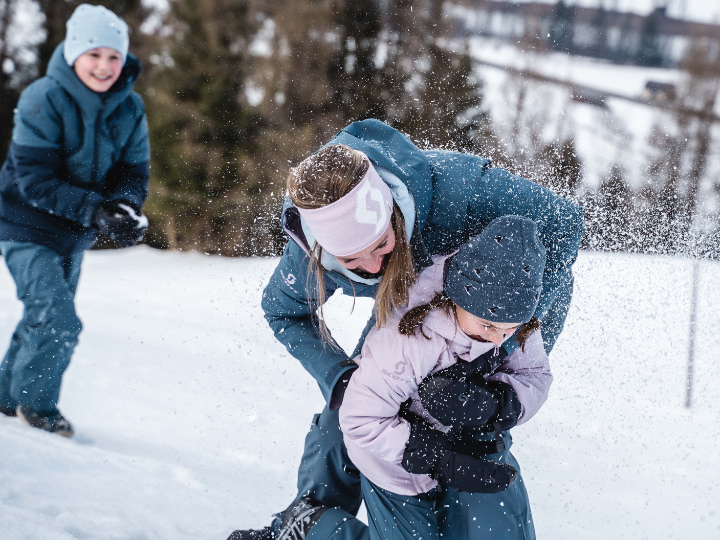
x,y
53,422
296,523
299,518
258,534
8,411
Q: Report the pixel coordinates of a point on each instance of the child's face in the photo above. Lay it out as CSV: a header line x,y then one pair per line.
x,y
483,330
99,68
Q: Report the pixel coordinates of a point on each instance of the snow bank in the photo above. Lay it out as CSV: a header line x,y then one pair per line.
x,y
190,417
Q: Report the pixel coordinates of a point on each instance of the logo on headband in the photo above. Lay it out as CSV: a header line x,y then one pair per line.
x,y
363,214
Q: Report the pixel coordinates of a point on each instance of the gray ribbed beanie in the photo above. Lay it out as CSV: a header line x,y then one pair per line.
x,y
90,27
497,275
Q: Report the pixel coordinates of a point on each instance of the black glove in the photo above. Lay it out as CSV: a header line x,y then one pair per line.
x,y
121,222
429,451
470,402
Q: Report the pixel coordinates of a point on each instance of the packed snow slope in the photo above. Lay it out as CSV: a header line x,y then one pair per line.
x,y
190,417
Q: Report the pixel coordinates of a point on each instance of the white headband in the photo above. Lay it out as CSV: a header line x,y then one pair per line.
x,y
355,221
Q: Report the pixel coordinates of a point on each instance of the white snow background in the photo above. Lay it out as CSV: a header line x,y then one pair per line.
x,y
190,417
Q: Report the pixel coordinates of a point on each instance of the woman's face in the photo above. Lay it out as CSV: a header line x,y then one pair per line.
x,y
482,330
372,259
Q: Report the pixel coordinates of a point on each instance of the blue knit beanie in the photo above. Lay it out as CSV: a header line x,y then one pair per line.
x,y
497,275
90,27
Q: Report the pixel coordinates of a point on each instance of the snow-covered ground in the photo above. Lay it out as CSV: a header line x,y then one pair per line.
x,y
190,417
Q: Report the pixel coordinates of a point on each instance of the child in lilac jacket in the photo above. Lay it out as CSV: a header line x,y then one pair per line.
x,y
409,411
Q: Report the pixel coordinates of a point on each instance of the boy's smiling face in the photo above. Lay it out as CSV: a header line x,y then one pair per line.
x,y
99,68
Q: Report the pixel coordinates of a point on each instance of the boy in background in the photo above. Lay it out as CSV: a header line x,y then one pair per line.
x,y
78,165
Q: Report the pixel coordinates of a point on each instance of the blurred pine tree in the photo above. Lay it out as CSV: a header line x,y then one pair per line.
x,y
559,168
203,130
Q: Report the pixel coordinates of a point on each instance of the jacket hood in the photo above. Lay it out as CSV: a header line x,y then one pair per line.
x,y
390,150
91,101
401,165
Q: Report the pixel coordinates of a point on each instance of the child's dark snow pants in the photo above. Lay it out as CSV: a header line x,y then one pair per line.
x,y
45,337
327,475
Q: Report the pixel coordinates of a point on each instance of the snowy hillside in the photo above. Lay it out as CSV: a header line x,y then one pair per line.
x,y
604,136
190,417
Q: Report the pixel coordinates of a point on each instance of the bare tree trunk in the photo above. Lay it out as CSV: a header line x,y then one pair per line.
x,y
56,14
8,96
702,65
517,121
170,232
700,156
5,18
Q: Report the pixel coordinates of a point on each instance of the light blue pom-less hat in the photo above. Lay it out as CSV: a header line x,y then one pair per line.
x,y
497,275
90,27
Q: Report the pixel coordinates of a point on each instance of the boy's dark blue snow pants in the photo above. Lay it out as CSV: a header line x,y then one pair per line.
x,y
327,475
45,337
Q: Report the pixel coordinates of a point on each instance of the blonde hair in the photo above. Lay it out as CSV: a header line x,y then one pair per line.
x,y
322,179
413,320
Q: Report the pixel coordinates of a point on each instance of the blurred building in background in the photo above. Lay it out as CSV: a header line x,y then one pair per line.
x,y
618,36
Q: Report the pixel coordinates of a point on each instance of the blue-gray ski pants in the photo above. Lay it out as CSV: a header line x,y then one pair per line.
x,y
327,475
44,339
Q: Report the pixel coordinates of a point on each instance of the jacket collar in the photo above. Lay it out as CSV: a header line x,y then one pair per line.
x,y
459,342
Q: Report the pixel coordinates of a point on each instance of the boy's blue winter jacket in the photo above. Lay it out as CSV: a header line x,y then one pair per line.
x,y
71,149
456,195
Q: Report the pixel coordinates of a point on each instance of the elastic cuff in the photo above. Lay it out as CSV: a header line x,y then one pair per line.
x,y
341,385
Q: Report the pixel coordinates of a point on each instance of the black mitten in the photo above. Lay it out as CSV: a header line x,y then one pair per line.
x,y
429,451
508,405
121,222
457,402
470,402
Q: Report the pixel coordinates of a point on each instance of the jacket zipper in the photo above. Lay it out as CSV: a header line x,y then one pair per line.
x,y
96,151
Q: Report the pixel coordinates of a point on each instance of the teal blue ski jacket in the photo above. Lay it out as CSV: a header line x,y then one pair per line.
x,y
71,149
447,197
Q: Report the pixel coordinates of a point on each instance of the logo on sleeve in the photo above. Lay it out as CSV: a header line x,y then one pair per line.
x,y
289,280
400,368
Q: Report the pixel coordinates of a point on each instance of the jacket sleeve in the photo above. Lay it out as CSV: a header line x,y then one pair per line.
x,y
528,372
561,227
128,179
561,232
392,366
289,302
37,156
468,194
